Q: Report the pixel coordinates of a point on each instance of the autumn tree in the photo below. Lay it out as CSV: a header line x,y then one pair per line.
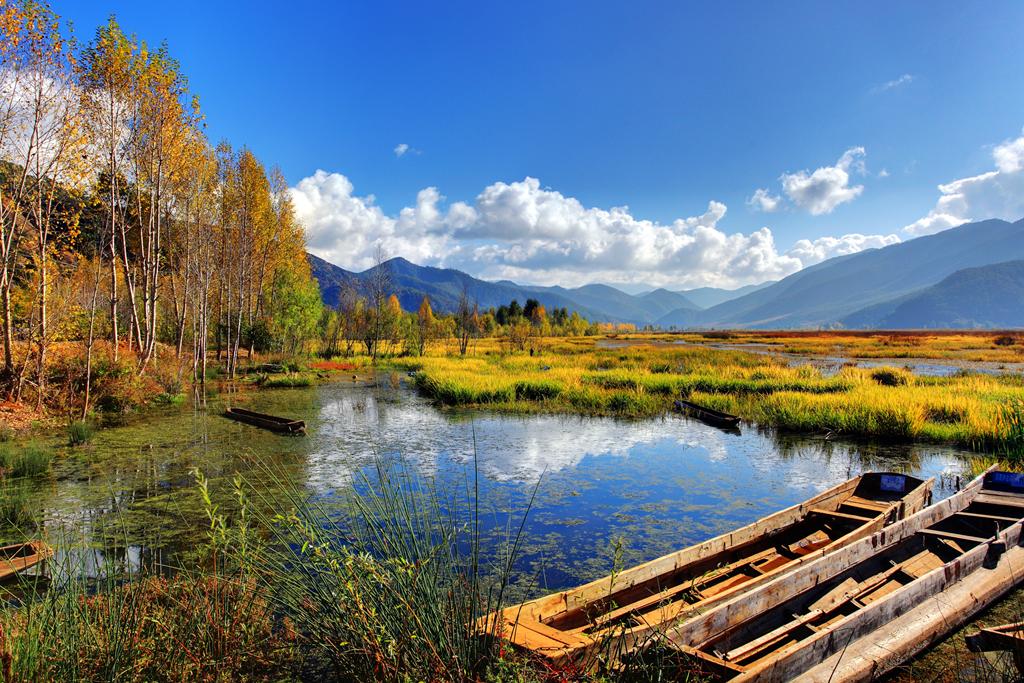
x,y
425,323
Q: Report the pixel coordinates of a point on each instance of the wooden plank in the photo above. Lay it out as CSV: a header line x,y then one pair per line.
x,y
982,516
873,655
860,519
757,645
949,534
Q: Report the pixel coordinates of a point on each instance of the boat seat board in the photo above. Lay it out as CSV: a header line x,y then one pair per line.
x,y
997,518
860,519
949,534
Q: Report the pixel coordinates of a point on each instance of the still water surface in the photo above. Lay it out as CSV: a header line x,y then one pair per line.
x,y
652,485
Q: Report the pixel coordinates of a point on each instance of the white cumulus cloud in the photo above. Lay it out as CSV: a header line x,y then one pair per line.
x,y
763,200
523,231
827,187
993,194
401,149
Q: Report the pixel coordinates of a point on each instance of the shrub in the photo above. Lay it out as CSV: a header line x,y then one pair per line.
x,y
1005,340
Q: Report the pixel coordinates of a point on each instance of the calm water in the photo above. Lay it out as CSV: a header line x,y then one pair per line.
x,y
653,485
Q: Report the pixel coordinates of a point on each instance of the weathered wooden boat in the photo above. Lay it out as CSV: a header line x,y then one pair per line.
x,y
709,415
282,425
16,558
1004,638
859,612
614,615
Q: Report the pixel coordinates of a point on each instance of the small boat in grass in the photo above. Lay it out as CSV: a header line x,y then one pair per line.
x,y
856,614
16,558
612,616
709,415
282,425
1005,638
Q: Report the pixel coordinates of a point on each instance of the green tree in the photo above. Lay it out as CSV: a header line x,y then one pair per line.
x,y
295,309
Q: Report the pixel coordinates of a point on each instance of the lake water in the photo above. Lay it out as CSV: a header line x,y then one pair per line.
x,y
650,485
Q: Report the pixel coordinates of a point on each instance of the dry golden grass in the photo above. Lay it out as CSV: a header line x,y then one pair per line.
x,y
576,376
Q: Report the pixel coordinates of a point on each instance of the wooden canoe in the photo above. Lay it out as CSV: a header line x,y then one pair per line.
x,y
859,612
1008,638
16,558
614,615
281,425
709,415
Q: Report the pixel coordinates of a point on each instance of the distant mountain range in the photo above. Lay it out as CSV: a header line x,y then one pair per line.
x,y
970,276
444,286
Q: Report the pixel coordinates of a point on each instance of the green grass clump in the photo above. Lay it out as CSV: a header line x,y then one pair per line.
x,y
79,432
537,390
892,377
16,508
288,382
25,460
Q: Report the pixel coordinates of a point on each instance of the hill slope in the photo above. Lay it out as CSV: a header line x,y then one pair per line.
x,y
444,286
986,296
706,297
834,289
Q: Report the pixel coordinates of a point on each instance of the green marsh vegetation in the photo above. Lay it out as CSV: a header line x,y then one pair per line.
x,y
980,411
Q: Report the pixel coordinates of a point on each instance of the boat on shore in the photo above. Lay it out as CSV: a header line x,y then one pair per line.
x,y
859,612
1004,638
616,614
713,417
18,557
281,425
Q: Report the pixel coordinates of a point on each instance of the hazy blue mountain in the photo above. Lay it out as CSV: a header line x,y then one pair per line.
x,y
832,290
985,296
444,286
706,297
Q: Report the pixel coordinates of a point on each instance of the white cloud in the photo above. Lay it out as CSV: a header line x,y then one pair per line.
x,y
401,149
905,79
884,173
762,200
1009,156
994,194
810,252
523,231
827,187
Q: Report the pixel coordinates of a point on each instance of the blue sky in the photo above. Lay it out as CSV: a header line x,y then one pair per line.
x,y
661,107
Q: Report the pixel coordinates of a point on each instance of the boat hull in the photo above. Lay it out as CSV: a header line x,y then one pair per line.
x,y
618,614
269,422
15,559
836,610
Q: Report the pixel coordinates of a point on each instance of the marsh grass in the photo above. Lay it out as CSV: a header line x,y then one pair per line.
x,y
100,619
24,460
576,376
390,585
79,432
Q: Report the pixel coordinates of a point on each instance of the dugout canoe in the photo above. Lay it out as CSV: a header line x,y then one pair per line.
x,y
709,415
856,614
18,557
1004,638
616,614
282,425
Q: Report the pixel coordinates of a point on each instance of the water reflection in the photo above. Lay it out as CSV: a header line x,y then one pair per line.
x,y
660,483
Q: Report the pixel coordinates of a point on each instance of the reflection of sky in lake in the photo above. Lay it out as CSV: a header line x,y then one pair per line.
x,y
656,484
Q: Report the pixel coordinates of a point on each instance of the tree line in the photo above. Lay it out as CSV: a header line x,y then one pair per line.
x,y
122,226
